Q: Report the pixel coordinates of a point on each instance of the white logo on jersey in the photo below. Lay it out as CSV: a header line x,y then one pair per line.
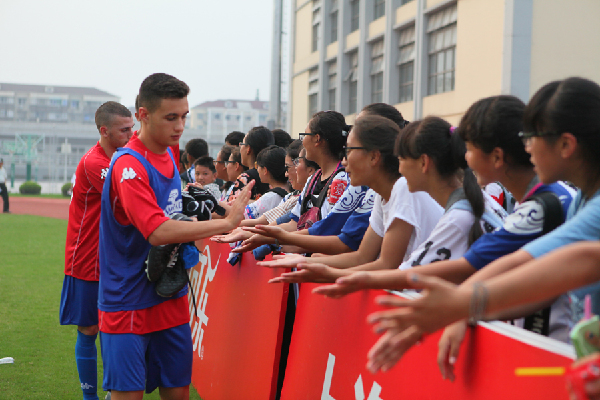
x,y
527,219
175,204
128,173
103,173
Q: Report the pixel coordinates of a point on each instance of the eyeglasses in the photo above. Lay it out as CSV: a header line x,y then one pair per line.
x,y
229,162
244,144
215,162
347,150
302,134
296,161
526,136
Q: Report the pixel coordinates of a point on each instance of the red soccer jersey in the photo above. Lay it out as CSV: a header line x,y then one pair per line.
x,y
134,202
81,252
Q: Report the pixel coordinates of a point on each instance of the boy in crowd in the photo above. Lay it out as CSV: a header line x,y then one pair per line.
x,y
146,339
79,298
194,149
206,174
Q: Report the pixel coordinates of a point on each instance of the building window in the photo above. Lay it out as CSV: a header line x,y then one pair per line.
x,y
333,19
75,104
332,85
352,79
313,91
379,9
377,72
403,2
354,9
406,63
7,100
316,21
441,31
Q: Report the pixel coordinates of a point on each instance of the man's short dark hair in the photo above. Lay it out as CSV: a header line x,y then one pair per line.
x,y
160,86
108,110
235,138
137,103
207,162
197,148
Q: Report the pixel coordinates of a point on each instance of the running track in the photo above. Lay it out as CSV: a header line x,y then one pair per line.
x,y
54,208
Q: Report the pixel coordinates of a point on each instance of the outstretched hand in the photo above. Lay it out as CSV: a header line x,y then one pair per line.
x,y
235,236
345,285
236,213
390,348
441,304
320,273
283,261
251,243
275,232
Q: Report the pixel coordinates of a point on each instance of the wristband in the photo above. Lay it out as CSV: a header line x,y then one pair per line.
x,y
479,300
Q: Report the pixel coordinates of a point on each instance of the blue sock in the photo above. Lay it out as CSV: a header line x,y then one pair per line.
x,y
87,360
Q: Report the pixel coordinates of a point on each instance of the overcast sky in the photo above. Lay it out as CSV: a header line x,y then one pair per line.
x,y
221,49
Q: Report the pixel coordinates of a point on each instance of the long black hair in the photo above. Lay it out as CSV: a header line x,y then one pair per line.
x,y
379,133
273,159
387,111
331,126
496,122
434,136
571,105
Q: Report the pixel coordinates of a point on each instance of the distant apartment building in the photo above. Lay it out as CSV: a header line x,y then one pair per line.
x,y
433,57
46,129
214,120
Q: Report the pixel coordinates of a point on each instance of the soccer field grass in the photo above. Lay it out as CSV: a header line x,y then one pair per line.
x,y
31,275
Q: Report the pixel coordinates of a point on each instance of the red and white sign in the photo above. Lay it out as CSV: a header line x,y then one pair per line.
x,y
331,339
238,326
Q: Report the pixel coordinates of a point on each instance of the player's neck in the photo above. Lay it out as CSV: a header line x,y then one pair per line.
x,y
106,146
148,140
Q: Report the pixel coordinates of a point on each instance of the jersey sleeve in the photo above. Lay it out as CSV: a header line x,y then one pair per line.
x,y
521,227
134,199
333,223
585,225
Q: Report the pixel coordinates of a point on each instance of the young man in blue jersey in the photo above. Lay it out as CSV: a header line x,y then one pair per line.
x,y
146,338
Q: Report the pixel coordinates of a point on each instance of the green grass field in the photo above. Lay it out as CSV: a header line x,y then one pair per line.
x,y
31,275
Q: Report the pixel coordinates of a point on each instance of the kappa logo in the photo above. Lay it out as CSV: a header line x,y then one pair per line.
x,y
103,173
86,386
128,173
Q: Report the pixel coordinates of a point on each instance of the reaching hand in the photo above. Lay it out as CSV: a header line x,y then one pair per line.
x,y
345,285
236,213
390,348
441,304
275,232
251,243
235,236
284,261
448,348
310,273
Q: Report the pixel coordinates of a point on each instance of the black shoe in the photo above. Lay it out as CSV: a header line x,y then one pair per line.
x,y
173,279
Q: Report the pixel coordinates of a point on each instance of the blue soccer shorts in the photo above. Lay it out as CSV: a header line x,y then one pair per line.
x,y
157,359
79,302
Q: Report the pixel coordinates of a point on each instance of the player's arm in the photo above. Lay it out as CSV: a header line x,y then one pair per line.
x,y
94,170
172,231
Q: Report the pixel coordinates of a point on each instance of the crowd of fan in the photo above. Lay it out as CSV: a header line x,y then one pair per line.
x,y
500,215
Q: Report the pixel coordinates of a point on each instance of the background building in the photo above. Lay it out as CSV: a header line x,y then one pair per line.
x,y
434,57
214,120
45,129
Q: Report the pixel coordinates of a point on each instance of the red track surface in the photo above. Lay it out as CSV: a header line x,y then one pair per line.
x,y
54,208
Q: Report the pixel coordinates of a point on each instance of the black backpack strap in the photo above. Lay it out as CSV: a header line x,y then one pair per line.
x,y
279,190
553,212
539,322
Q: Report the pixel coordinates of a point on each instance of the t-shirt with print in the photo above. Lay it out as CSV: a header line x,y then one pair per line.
x,y
417,209
449,238
266,202
327,206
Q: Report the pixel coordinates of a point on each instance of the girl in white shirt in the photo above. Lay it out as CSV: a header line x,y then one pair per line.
x,y
399,221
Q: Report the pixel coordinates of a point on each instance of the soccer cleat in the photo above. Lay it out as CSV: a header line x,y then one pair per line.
x,y
163,256
108,396
173,279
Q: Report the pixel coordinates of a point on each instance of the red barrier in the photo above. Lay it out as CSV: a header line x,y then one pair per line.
x,y
237,330
331,339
